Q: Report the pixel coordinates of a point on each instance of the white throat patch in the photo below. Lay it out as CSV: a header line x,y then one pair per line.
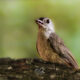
x,y
47,34
48,31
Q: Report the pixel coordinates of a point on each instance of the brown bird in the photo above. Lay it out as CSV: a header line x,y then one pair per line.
x,y
50,46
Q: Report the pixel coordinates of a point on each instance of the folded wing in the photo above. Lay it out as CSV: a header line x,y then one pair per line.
x,y
58,46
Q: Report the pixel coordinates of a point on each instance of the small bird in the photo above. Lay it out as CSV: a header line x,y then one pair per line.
x,y
51,47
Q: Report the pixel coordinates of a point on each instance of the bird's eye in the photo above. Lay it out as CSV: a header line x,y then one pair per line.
x,y
47,21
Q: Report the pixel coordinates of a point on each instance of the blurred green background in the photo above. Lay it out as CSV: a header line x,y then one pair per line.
x,y
18,30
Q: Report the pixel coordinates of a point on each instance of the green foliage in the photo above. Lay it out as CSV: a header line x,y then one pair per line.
x,y
18,31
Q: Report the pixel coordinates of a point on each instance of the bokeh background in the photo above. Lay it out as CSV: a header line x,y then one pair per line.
x,y
18,30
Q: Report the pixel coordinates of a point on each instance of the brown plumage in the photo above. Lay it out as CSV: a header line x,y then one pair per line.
x,y
58,47
51,48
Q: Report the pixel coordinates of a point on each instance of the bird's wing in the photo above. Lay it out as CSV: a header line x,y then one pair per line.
x,y
58,46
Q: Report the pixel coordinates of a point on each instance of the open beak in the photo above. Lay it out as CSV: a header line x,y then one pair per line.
x,y
39,22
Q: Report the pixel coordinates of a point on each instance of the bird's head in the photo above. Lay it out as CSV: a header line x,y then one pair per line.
x,y
45,23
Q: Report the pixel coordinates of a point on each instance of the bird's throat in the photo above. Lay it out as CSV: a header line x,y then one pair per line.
x,y
47,33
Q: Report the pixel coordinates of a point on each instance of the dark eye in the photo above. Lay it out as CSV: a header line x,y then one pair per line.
x,y
47,21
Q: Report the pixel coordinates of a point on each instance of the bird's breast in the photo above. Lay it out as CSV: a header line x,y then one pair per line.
x,y
44,49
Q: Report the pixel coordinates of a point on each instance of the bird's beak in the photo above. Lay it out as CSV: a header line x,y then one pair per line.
x,y
39,22
36,20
